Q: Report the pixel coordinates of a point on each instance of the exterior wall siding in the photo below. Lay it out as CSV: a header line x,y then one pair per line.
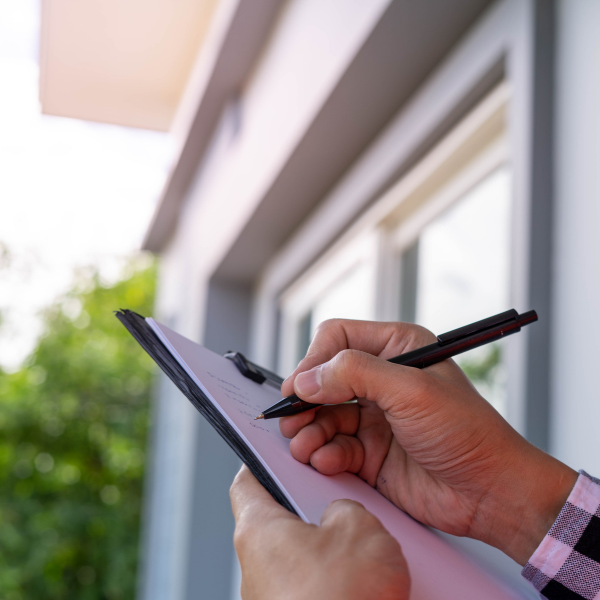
x,y
576,277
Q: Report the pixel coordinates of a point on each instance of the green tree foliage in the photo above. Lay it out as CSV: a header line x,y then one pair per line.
x,y
483,369
73,425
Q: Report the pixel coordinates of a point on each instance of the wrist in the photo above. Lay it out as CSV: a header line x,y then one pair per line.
x,y
517,514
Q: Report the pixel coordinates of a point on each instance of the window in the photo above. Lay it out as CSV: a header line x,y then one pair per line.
x,y
340,286
456,272
434,249
344,299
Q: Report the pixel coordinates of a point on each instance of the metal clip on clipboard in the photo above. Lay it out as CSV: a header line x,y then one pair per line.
x,y
252,371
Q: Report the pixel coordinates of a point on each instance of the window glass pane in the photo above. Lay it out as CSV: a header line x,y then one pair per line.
x,y
408,283
462,274
304,336
350,297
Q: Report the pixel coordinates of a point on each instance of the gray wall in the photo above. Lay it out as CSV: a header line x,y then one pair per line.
x,y
190,556
210,569
575,437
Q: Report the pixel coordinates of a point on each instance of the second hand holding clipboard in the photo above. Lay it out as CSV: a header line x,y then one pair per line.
x,y
448,345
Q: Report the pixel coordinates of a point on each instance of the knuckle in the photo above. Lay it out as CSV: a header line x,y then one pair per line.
x,y
349,361
326,331
237,482
241,537
423,333
369,520
346,510
328,325
410,336
351,367
356,520
234,486
419,336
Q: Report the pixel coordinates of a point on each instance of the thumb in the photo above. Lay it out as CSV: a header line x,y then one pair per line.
x,y
252,504
354,374
345,513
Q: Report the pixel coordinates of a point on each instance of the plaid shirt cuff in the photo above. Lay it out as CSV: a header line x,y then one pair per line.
x,y
566,564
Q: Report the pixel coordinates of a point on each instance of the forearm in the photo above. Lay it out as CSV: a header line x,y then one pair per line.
x,y
524,504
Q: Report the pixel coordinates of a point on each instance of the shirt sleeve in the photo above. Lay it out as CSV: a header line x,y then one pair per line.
x,y
566,565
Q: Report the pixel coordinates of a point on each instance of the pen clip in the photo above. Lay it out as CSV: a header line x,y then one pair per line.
x,y
467,330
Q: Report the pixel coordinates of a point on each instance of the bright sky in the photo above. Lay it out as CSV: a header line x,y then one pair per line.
x,y
72,193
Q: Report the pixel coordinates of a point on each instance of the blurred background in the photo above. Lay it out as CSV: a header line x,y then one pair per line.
x,y
243,170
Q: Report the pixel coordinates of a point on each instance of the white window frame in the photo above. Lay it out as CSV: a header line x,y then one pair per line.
x,y
479,144
500,47
299,298
474,149
510,42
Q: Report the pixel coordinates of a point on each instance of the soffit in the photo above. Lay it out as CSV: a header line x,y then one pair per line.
x,y
236,38
125,63
404,48
406,45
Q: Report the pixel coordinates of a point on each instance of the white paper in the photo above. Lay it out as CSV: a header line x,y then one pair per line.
x,y
437,569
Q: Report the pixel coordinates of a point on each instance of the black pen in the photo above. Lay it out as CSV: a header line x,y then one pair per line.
x,y
448,345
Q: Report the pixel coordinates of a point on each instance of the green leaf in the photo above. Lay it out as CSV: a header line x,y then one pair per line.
x,y
73,429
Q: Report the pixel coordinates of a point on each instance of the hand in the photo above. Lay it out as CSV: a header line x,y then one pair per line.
x,y
349,557
425,438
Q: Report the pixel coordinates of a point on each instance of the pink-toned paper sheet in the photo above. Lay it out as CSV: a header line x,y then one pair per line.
x,y
438,570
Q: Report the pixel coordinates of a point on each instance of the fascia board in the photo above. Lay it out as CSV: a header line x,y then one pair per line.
x,y
232,46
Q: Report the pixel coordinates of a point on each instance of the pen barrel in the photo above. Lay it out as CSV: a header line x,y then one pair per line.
x,y
435,353
290,405
429,355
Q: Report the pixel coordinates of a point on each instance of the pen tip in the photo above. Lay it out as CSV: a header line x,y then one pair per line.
x,y
261,416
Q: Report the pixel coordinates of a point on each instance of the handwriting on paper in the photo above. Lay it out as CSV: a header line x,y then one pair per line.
x,y
244,405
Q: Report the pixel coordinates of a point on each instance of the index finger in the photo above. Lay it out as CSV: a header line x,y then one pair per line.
x,y
385,340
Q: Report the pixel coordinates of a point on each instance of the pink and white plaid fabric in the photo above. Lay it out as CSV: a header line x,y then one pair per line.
x,y
566,565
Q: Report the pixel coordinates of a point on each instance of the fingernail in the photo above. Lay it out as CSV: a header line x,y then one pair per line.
x,y
309,382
